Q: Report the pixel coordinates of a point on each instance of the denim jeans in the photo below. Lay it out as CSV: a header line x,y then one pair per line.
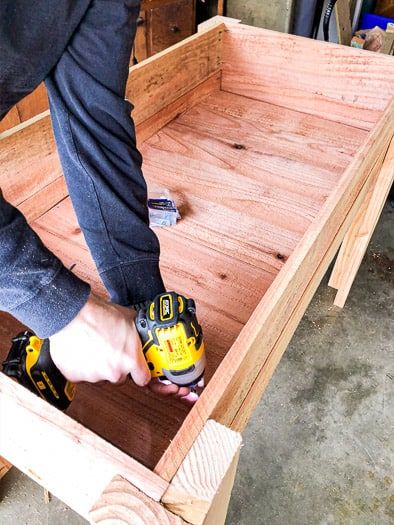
x,y
85,76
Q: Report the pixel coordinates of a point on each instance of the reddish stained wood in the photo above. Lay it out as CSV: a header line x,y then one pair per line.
x,y
219,289
56,444
33,104
10,120
223,396
244,209
37,161
322,79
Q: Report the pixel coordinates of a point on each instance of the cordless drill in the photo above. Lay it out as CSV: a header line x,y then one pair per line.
x,y
171,339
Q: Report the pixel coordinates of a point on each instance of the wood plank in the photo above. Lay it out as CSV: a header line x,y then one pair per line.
x,y
328,80
29,107
218,511
33,104
153,124
121,503
344,24
261,382
29,161
237,372
10,120
356,241
38,203
161,79
289,145
201,477
280,172
56,444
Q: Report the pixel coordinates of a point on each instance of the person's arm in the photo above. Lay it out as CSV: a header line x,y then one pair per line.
x,y
96,140
35,287
90,339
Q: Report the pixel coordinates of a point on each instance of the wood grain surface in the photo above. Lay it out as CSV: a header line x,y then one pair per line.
x,y
29,161
223,396
46,442
122,504
357,239
206,474
335,82
249,179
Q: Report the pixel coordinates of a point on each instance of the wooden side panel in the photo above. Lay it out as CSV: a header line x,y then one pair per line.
x,y
157,121
29,161
335,82
42,201
344,23
27,108
45,442
33,104
223,396
247,407
10,120
163,78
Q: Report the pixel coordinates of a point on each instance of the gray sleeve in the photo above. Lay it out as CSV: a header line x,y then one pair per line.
x,y
35,287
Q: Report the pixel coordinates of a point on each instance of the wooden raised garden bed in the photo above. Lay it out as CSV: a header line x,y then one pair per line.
x,y
270,144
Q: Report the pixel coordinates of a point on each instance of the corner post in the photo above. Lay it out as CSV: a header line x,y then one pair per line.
x,y
200,490
124,504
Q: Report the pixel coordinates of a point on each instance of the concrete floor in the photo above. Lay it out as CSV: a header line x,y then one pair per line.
x,y
319,448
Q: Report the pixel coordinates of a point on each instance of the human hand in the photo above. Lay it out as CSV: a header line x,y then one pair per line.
x,y
170,389
101,343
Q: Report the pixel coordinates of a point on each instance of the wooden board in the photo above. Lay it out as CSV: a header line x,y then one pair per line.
x,y
122,504
58,444
37,165
338,83
344,23
27,108
359,234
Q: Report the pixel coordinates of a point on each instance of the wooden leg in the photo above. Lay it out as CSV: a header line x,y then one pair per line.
x,y
200,490
123,504
359,234
218,510
220,10
344,24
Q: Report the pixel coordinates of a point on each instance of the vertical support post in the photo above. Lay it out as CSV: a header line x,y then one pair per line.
x,y
344,24
200,490
356,240
124,504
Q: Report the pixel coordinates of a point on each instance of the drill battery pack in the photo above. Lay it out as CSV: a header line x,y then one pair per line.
x,y
29,362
